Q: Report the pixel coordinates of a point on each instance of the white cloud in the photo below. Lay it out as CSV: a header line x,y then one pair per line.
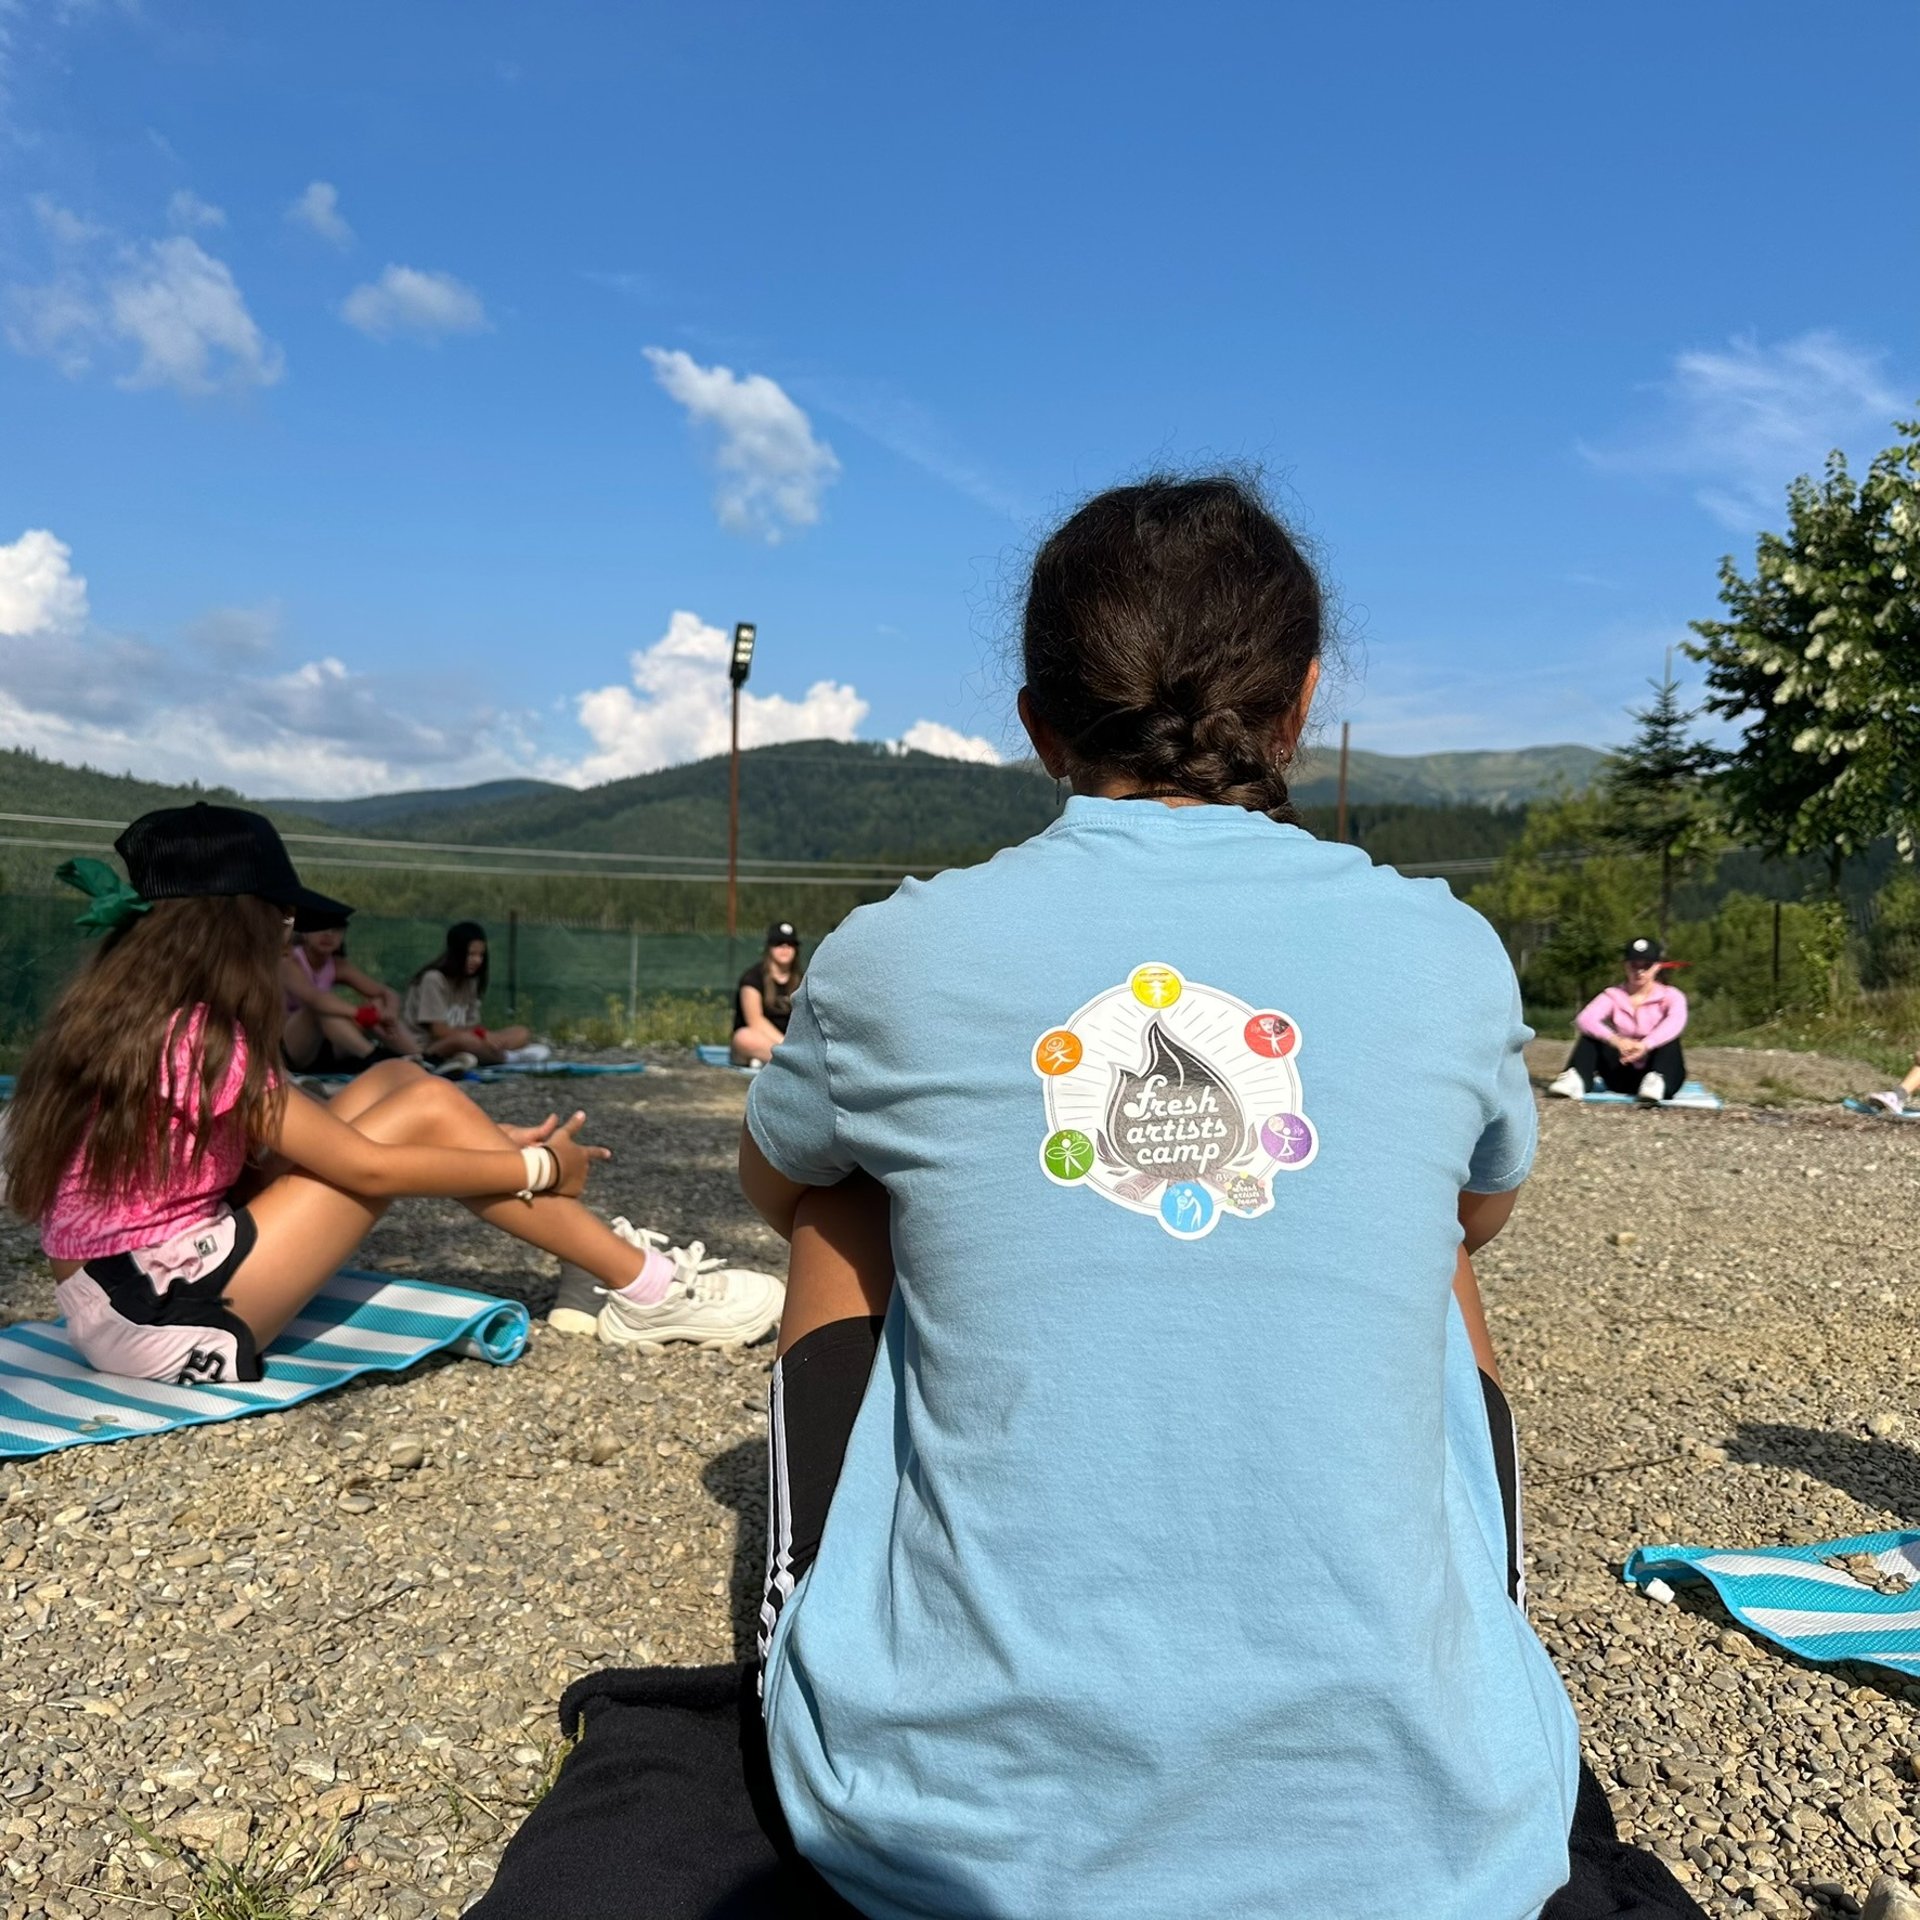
x,y
318,210
930,736
1742,421
76,692
407,300
39,591
236,634
772,468
676,708
187,210
177,309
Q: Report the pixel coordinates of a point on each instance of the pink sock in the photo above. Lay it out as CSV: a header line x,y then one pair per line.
x,y
649,1286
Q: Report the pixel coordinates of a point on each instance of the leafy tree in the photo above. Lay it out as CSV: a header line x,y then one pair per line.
x,y
1819,657
1658,800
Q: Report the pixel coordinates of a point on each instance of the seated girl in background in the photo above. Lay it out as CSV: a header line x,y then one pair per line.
x,y
763,1001
192,1203
326,1032
443,1007
1630,1036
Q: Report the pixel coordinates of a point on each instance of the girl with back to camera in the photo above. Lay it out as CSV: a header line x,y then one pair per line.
x,y
192,1203
1170,1570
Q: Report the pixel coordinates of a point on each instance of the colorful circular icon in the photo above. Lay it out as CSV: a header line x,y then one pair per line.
x,y
1155,985
1067,1155
1058,1052
1271,1034
1186,1209
1288,1138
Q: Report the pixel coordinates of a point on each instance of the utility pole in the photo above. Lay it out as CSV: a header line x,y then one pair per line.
x,y
737,670
1340,804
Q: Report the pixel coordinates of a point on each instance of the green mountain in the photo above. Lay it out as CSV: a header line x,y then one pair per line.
x,y
400,810
1493,779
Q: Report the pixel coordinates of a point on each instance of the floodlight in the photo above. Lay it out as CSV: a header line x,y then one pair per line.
x,y
742,653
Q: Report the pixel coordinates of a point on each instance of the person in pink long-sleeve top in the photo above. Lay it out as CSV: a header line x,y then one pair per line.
x,y
1630,1036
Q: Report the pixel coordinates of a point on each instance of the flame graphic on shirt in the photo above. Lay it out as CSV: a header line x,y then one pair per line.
x,y
1177,1118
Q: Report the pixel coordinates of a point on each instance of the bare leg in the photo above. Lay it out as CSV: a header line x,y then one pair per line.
x,y
755,1044
842,1262
397,1037
300,1037
307,1228
345,1036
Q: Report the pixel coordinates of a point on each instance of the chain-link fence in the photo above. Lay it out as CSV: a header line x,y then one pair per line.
x,y
553,978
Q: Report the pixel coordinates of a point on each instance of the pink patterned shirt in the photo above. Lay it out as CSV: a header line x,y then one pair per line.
x,y
86,1224
1660,1017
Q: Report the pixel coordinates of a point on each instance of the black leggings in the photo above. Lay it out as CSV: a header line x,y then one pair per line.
x,y
665,1809
1601,1065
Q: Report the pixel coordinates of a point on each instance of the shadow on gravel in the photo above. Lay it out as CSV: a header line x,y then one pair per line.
x,y
1877,1473
738,1479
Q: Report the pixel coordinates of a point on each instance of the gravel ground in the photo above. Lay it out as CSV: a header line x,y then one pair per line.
x,y
257,1634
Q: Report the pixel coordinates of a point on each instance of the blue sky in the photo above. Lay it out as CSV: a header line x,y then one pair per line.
x,y
403,395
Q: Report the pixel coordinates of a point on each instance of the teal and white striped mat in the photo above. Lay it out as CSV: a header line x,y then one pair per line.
x,y
561,1069
718,1057
358,1323
1792,1596
1693,1095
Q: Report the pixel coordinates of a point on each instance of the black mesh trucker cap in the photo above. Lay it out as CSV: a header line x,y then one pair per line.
x,y
1645,950
184,853
781,933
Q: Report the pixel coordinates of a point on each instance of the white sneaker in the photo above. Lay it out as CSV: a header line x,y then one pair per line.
x,y
1895,1101
1569,1086
455,1064
707,1303
1653,1087
531,1055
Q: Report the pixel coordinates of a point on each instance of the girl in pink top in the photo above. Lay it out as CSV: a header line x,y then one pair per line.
x,y
192,1203
326,1032
1630,1036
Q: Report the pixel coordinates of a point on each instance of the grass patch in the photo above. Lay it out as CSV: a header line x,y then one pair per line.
x,y
1881,1028
272,1880
659,1020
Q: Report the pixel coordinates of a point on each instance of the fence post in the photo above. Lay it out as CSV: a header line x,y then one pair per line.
x,y
633,979
1776,954
513,960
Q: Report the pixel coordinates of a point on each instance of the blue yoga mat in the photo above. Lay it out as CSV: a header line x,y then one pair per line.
x,y
563,1069
1692,1095
357,1323
1791,1596
1854,1104
719,1057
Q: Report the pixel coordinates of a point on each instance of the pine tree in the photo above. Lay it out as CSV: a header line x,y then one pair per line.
x,y
1657,788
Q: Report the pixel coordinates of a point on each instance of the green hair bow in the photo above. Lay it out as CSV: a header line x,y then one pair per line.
x,y
113,902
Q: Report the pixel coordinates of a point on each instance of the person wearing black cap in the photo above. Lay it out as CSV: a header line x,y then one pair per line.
x,y
1630,1035
326,1032
191,1202
763,1001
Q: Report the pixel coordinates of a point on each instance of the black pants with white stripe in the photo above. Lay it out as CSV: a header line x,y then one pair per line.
x,y
665,1809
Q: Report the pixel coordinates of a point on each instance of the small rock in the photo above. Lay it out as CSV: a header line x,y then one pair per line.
x,y
354,1503
1859,1814
1623,1238
1886,1424
602,1447
220,1831
406,1454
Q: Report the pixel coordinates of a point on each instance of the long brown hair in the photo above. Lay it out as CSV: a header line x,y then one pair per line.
x,y
91,1082
776,997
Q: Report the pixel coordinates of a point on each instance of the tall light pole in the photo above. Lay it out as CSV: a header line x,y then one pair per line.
x,y
737,670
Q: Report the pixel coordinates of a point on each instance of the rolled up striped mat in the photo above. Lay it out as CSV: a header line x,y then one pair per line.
x,y
1797,1597
357,1323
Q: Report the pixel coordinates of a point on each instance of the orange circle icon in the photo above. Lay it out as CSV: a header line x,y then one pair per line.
x,y
1058,1052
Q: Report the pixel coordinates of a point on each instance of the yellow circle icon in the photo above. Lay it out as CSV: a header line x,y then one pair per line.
x,y
1155,986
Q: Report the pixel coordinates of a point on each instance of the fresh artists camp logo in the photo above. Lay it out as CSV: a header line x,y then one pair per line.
x,y
1174,1099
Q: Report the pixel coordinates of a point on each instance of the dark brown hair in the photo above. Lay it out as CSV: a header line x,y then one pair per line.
x,y
451,961
776,997
1169,630
91,1082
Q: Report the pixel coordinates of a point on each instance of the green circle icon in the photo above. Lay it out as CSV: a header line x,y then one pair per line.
x,y
1068,1154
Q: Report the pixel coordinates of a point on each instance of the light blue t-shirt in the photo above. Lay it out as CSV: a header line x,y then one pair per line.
x,y
1165,1572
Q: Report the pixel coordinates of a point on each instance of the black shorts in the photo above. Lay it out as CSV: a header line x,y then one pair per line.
x,y
186,1333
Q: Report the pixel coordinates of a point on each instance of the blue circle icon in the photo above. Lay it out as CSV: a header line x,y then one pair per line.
x,y
1186,1209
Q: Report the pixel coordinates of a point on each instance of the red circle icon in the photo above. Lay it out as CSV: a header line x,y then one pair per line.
x,y
1272,1034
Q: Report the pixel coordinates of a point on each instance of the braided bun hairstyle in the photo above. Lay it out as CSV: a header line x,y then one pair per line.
x,y
1170,628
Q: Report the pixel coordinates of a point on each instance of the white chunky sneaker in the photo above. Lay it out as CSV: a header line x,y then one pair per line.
x,y
1894,1100
1569,1086
533,1054
707,1303
1653,1087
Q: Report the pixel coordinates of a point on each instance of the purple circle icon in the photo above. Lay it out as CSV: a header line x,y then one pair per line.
x,y
1288,1137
